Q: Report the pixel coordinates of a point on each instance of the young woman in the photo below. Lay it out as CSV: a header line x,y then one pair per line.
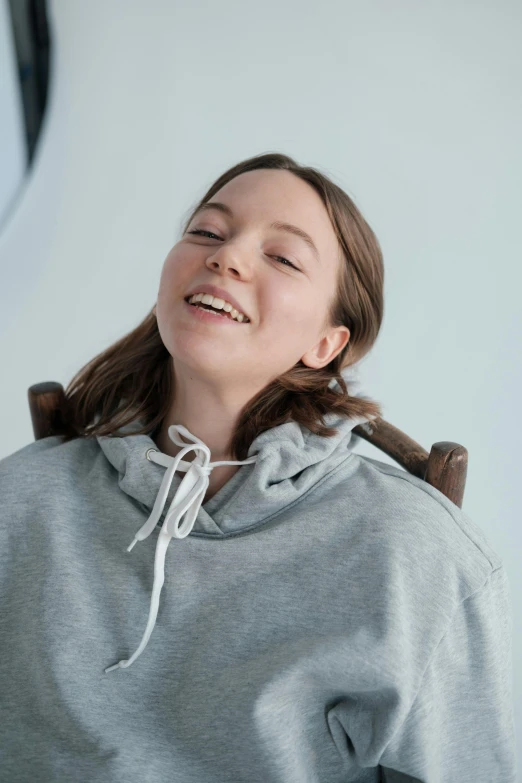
x,y
202,581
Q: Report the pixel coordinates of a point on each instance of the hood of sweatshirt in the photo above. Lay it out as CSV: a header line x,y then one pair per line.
x,y
283,464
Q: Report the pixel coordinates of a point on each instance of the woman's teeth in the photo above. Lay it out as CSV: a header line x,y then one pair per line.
x,y
216,304
215,312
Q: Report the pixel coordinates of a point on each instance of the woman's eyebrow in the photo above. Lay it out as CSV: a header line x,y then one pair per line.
x,y
288,227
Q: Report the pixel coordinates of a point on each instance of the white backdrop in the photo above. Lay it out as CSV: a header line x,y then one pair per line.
x,y
413,108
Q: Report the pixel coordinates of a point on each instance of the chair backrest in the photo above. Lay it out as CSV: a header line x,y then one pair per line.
x,y
445,467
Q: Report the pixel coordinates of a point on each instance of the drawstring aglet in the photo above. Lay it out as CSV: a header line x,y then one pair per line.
x,y
131,545
119,665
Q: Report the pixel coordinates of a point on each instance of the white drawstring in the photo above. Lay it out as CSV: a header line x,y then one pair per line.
x,y
187,500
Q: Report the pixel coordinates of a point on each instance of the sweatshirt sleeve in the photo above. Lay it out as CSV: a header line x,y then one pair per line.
x,y
461,724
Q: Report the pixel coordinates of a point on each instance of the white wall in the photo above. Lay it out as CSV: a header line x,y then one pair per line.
x,y
413,108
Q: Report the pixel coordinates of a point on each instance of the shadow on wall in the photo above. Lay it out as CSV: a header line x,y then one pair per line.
x,y
26,47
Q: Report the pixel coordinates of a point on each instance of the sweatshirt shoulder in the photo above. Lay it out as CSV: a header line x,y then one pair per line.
x,y
28,453
44,459
427,518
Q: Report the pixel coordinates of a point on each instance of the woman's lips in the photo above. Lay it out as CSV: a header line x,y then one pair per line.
x,y
209,317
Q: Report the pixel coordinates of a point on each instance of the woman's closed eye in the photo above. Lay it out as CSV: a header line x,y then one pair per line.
x,y
210,234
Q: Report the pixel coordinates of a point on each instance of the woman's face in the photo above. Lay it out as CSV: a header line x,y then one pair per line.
x,y
286,305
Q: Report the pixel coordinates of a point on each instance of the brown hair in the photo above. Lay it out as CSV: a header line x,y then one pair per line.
x,y
134,378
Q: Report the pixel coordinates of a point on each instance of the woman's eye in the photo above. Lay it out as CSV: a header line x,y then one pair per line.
x,y
210,235
289,263
201,231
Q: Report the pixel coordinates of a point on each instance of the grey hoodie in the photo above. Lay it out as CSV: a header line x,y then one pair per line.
x,y
325,617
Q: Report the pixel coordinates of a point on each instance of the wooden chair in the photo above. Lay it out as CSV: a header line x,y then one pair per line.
x,y
445,467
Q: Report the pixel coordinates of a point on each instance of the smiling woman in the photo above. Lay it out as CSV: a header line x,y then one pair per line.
x,y
287,247
326,616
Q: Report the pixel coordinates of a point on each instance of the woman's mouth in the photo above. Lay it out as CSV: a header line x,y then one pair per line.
x,y
207,314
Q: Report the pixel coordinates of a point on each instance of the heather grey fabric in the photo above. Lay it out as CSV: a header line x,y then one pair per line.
x,y
330,618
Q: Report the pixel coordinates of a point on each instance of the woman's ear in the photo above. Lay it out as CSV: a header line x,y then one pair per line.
x,y
154,311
